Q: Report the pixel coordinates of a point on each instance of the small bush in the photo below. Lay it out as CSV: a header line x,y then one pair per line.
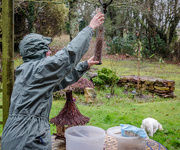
x,y
59,95
105,77
80,85
156,47
121,45
77,88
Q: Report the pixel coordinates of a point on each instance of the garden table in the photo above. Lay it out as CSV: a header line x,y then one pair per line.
x,y
110,144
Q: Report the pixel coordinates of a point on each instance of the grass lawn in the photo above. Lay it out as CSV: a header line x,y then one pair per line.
x,y
122,109
115,112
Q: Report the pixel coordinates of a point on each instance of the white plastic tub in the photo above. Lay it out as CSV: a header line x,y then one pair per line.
x,y
84,138
127,143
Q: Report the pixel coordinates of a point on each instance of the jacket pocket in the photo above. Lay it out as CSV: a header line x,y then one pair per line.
x,y
42,140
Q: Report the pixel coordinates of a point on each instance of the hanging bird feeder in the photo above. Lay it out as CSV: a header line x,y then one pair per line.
x,y
100,35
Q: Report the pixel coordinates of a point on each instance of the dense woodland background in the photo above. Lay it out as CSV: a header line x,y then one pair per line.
x,y
157,21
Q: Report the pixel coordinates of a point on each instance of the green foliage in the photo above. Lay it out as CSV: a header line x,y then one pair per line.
x,y
133,16
121,45
128,44
67,28
1,23
50,20
47,19
82,24
109,28
77,88
153,47
59,95
31,16
80,85
105,77
98,82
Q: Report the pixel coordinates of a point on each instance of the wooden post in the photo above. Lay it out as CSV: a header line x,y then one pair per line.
x,y
138,59
7,54
138,68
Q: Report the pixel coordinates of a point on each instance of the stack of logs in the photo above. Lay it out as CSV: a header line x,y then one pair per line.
x,y
158,86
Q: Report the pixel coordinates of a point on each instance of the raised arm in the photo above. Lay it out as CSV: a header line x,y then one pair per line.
x,y
53,70
76,74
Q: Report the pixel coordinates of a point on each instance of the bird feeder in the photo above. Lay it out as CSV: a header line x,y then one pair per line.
x,y
99,42
100,35
69,116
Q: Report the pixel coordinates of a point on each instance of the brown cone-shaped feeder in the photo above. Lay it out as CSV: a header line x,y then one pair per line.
x,y
68,116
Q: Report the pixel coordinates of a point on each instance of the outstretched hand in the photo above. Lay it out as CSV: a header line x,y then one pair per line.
x,y
92,62
97,20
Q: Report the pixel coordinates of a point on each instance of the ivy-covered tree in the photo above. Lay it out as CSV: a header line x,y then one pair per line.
x,y
73,18
43,18
50,19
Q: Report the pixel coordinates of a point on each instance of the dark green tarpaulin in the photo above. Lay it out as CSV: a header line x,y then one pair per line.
x,y
27,126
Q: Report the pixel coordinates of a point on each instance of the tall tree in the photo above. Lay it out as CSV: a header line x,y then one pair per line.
x,y
154,18
163,18
40,17
73,18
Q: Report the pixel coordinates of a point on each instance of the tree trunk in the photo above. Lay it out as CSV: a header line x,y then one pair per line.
x,y
73,19
31,16
174,21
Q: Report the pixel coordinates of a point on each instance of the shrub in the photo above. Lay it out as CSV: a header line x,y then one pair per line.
x,y
77,88
59,95
104,77
121,45
80,85
157,47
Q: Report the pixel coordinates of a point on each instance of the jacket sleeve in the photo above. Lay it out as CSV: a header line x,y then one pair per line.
x,y
51,71
74,76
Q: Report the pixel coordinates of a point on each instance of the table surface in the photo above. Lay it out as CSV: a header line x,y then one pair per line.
x,y
110,144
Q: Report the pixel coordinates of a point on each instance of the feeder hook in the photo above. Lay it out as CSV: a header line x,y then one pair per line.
x,y
105,5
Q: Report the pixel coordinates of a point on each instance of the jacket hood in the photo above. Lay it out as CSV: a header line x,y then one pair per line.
x,y
34,47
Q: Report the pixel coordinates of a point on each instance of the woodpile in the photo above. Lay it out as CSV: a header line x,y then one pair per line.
x,y
161,87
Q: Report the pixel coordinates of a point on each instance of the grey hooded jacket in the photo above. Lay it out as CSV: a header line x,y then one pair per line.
x,y
27,127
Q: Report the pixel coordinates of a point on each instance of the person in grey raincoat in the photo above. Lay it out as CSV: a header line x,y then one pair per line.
x,y
27,126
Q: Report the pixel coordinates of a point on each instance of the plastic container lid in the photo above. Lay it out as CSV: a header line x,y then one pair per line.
x,y
127,143
84,133
116,132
